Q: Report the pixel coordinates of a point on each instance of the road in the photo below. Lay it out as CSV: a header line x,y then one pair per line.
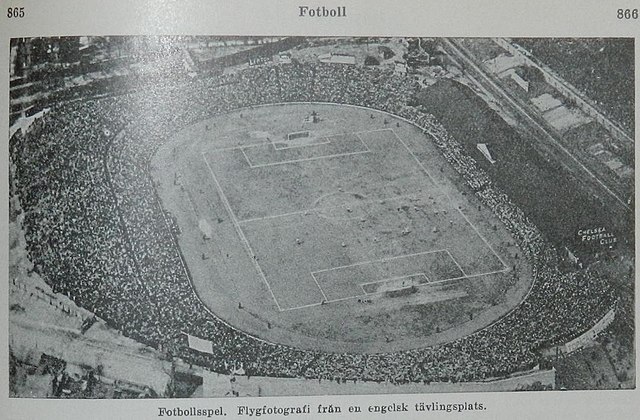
x,y
562,85
486,82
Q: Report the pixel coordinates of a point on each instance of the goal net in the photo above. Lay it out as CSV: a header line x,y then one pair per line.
x,y
297,135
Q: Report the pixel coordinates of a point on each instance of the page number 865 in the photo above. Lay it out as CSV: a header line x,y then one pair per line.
x,y
15,12
627,14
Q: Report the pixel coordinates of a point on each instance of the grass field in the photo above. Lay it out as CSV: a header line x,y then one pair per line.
x,y
315,237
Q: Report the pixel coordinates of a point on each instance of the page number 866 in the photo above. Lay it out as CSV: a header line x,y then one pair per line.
x,y
627,14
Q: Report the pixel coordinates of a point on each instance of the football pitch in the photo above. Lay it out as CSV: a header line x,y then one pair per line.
x,y
345,217
353,212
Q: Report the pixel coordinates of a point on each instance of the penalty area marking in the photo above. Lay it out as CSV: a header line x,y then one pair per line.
x,y
284,162
365,294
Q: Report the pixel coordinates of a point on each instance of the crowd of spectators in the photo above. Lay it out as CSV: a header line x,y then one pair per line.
x,y
97,233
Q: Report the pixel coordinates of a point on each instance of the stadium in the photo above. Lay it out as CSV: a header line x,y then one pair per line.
x,y
301,220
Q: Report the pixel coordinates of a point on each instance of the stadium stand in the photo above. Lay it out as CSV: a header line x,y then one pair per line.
x,y
96,232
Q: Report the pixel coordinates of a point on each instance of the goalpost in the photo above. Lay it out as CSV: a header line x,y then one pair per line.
x,y
298,135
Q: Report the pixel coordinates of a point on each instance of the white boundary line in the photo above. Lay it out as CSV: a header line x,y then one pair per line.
x,y
347,298
276,216
379,260
239,231
372,131
265,142
318,284
310,305
483,239
362,141
285,162
470,276
246,158
366,146
327,141
456,262
396,278
362,285
420,163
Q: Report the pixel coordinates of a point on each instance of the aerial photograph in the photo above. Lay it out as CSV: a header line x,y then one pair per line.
x,y
234,216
